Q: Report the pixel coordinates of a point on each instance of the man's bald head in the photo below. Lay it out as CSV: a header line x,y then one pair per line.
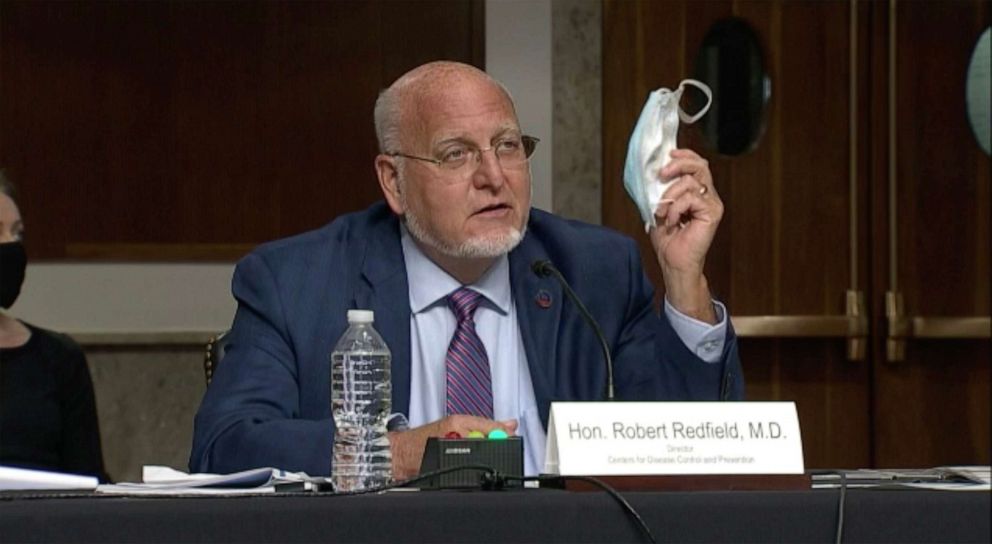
x,y
402,106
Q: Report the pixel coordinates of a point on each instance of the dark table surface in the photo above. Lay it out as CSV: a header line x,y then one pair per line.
x,y
530,515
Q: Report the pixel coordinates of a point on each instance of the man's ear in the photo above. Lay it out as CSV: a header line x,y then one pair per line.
x,y
389,182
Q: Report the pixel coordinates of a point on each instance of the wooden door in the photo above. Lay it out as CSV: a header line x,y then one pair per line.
x,y
801,254
931,197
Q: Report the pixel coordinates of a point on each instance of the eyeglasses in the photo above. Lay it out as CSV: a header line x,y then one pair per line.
x,y
511,153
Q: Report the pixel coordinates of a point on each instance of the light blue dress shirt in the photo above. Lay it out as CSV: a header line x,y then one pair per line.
x,y
432,324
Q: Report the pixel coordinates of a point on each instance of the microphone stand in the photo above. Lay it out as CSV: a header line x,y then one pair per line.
x,y
544,269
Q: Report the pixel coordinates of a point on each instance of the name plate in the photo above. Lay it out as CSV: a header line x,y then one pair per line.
x,y
656,438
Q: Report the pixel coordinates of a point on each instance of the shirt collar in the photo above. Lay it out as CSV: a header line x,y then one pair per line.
x,y
430,284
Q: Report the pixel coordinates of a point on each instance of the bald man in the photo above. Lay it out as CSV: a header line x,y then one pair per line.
x,y
457,225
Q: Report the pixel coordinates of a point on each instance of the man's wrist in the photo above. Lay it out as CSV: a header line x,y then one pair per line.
x,y
691,296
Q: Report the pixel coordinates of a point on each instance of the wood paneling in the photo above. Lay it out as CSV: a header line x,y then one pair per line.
x,y
933,408
782,248
787,246
210,126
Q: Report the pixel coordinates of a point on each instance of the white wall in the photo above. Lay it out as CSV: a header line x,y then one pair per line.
x,y
518,53
170,298
128,298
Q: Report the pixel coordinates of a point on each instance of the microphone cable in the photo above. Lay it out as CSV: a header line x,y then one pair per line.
x,y
841,500
626,506
491,479
488,473
544,268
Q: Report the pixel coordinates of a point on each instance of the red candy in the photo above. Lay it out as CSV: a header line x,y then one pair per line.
x,y
453,434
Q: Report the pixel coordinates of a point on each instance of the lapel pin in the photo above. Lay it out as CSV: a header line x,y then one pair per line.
x,y
543,299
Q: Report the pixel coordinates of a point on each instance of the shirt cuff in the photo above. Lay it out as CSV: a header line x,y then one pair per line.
x,y
397,422
703,339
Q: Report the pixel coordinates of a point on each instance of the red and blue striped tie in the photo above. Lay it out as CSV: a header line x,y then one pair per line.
x,y
469,381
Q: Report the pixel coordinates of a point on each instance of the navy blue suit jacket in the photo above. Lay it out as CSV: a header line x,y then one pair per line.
x,y
269,401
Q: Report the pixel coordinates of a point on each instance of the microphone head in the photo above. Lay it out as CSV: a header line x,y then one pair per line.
x,y
540,267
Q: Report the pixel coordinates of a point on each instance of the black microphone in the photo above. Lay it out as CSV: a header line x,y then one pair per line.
x,y
544,269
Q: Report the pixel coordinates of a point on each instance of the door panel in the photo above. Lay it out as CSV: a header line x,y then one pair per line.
x,y
809,216
783,247
183,131
932,402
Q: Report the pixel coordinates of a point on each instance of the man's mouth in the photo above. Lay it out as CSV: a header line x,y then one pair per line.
x,y
493,210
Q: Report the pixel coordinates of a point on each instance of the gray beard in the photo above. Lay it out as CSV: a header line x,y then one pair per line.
x,y
488,246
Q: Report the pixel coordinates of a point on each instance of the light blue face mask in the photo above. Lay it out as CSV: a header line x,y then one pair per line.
x,y
651,145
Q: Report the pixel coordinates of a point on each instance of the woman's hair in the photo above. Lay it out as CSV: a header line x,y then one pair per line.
x,y
6,186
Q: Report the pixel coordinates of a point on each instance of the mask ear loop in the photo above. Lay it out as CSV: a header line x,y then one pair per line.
x,y
685,117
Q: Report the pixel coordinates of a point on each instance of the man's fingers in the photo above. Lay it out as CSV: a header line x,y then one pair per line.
x,y
685,153
407,449
671,212
685,167
686,162
682,185
685,199
464,424
676,213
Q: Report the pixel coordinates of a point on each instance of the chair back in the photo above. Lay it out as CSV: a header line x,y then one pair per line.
x,y
216,347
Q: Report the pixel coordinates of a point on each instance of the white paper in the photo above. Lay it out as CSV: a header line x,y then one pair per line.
x,y
948,478
160,480
117,489
166,477
26,479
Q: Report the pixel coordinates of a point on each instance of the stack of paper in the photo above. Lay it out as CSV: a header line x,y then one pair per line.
x,y
159,480
966,478
969,474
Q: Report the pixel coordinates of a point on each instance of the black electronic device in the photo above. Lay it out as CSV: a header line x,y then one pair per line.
x,y
505,455
545,268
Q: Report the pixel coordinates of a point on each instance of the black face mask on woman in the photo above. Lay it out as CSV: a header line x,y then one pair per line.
x,y
13,262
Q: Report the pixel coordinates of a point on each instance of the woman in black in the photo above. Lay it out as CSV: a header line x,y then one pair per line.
x,y
47,410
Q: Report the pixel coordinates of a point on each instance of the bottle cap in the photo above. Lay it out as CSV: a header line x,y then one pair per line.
x,y
361,316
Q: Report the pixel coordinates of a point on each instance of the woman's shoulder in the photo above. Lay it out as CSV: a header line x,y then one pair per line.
x,y
53,342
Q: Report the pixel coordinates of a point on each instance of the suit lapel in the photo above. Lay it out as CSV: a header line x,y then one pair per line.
x,y
383,289
539,306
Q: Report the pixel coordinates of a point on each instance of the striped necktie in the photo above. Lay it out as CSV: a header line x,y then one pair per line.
x,y
469,384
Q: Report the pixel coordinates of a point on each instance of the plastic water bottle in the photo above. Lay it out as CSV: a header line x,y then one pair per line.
x,y
361,401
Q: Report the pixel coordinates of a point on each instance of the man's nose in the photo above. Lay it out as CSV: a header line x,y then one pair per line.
x,y
488,170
